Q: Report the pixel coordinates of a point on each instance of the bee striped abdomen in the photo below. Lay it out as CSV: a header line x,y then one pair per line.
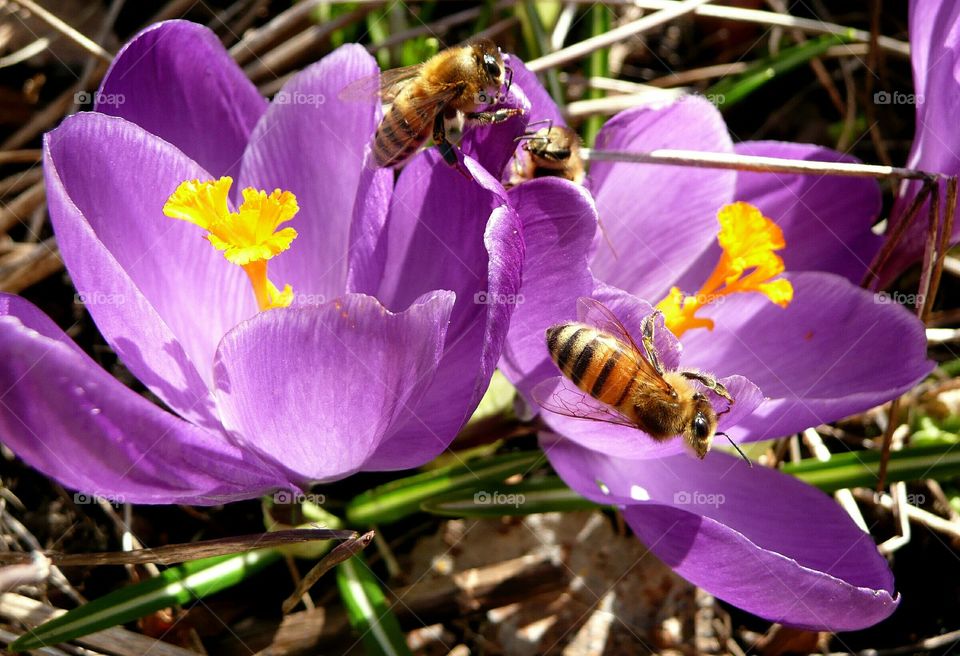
x,y
596,362
400,133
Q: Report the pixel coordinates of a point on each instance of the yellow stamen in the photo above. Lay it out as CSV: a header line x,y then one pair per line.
x,y
747,264
247,238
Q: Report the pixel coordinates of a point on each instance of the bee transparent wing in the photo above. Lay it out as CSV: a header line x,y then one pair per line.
x,y
387,85
560,396
594,313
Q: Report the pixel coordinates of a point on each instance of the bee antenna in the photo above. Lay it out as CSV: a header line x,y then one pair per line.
x,y
737,447
509,78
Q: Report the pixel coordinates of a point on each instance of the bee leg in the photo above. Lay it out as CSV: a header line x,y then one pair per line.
x,y
646,336
447,150
710,383
499,116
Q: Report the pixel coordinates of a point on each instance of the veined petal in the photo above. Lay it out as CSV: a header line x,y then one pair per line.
x,y
715,519
559,221
447,232
73,421
317,389
177,81
312,143
144,274
658,219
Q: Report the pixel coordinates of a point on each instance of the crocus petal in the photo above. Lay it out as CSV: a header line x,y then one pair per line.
x,y
626,442
754,537
307,115
935,54
816,360
658,219
318,388
825,220
70,419
559,221
448,232
143,275
176,80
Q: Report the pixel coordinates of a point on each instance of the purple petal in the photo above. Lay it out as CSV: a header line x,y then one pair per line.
x,y
754,537
70,419
312,143
642,206
559,221
835,351
176,80
826,220
447,232
935,53
318,388
157,290
632,443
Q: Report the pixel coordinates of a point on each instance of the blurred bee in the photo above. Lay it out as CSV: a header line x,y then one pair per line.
x,y
599,356
553,151
458,80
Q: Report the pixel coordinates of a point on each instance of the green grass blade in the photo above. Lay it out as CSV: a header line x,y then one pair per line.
x,y
390,502
177,585
598,67
543,495
860,468
367,609
732,90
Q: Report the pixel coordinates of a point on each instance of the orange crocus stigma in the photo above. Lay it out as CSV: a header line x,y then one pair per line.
x,y
248,237
748,264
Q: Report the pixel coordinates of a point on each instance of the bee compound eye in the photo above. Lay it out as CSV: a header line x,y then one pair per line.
x,y
491,65
701,428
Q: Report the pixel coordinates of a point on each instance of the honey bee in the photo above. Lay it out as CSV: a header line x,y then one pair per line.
x,y
456,81
550,151
599,356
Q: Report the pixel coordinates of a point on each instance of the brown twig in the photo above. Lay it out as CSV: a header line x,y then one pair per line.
x,y
894,237
178,553
340,553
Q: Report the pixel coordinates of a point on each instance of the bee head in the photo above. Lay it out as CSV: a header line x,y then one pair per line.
x,y
490,65
702,425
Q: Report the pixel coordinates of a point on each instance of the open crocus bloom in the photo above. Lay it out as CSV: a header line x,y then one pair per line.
x,y
369,352
935,54
756,538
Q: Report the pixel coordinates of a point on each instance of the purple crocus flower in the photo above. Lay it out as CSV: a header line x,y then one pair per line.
x,y
376,365
935,54
752,536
